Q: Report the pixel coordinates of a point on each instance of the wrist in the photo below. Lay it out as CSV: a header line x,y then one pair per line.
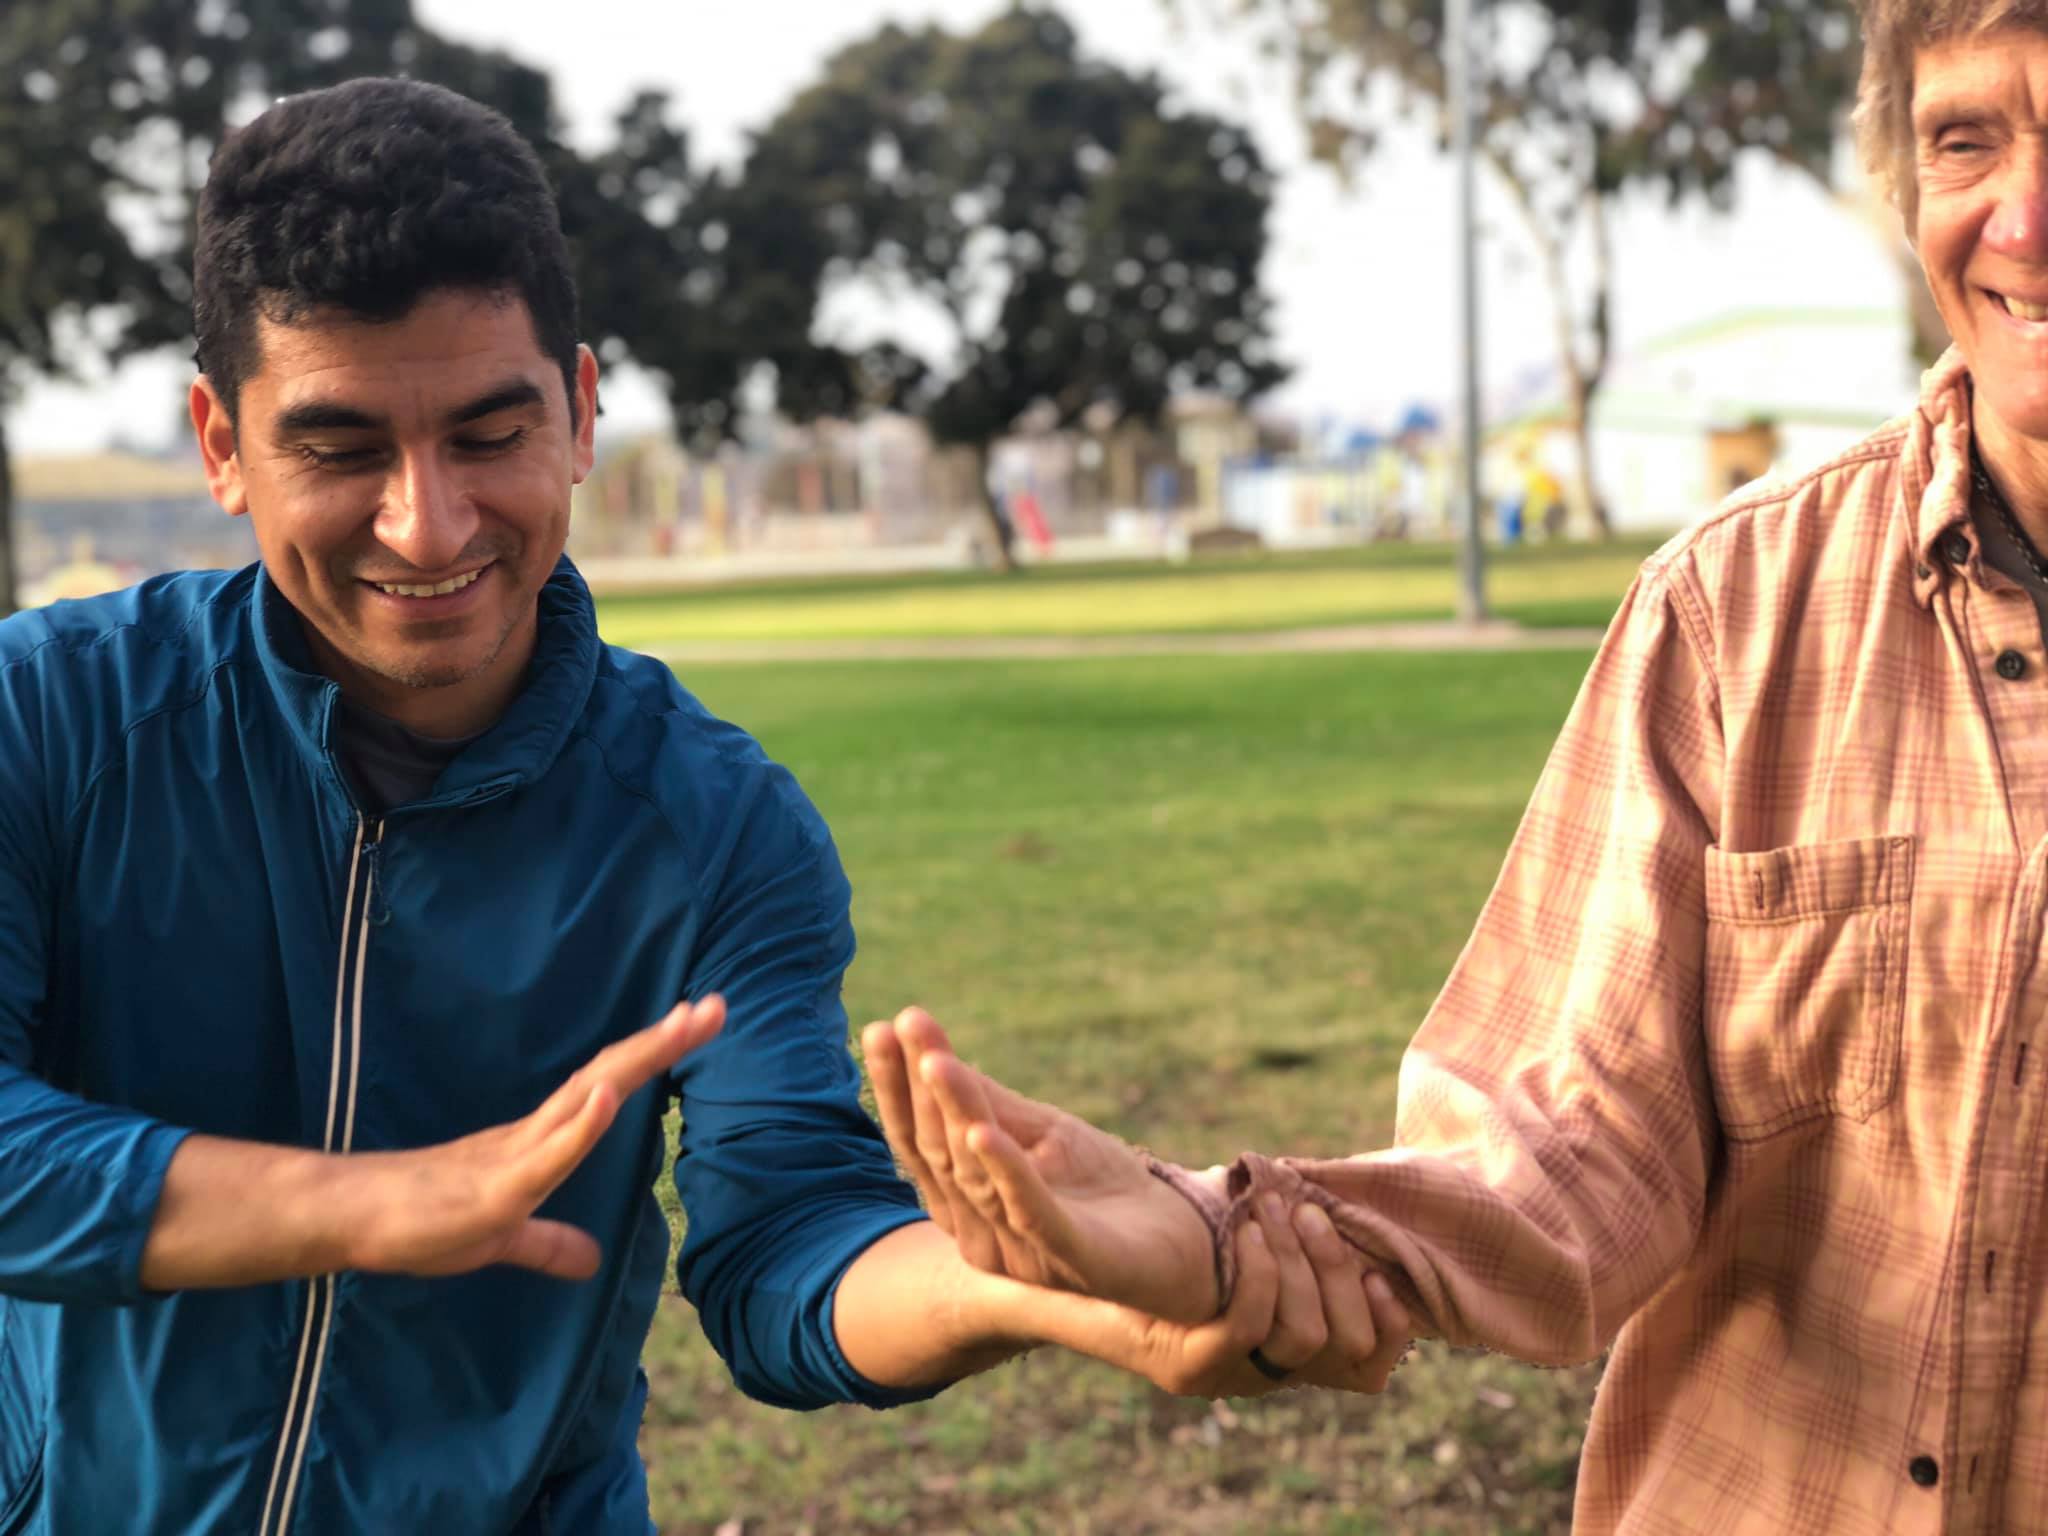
x,y
989,1317
1193,1217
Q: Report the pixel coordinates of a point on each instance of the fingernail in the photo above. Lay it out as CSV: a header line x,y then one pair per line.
x,y
1310,1221
1377,1284
1271,1208
1258,1238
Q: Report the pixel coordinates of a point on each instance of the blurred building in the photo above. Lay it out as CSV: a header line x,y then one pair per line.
x,y
1689,417
840,488
89,523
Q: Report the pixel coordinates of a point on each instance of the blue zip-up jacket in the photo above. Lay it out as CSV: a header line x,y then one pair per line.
x,y
200,932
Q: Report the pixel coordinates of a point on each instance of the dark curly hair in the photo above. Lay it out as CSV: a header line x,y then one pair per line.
x,y
364,197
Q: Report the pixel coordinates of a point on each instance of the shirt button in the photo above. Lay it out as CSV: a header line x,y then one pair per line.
x,y
1924,1470
2012,666
1954,547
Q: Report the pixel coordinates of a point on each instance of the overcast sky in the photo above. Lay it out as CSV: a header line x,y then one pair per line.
x,y
1363,278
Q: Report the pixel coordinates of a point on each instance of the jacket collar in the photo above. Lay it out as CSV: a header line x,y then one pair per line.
x,y
1936,484
518,750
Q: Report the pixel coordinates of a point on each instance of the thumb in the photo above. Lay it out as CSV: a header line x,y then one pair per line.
x,y
554,1248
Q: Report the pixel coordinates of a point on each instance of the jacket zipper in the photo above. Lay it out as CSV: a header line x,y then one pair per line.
x,y
343,1074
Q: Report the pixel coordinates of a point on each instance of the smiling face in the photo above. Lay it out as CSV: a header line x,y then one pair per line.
x,y
409,485
1980,129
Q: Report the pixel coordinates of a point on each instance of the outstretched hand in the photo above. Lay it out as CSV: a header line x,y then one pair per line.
x,y
1027,1190
456,1207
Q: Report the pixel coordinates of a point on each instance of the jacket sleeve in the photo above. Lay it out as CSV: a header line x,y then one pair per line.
x,y
784,1178
1556,1128
79,1182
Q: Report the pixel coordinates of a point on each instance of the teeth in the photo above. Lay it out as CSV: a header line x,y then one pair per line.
x,y
2024,311
442,590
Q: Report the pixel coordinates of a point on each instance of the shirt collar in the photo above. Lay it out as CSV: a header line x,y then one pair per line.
x,y
1936,485
519,749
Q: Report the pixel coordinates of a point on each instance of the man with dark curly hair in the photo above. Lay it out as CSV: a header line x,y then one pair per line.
x,y
318,877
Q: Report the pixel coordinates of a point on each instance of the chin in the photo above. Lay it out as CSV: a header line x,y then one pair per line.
x,y
2021,411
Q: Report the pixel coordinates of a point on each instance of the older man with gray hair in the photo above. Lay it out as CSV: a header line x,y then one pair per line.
x,y
1737,1075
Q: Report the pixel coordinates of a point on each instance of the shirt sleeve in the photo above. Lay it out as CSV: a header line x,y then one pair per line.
x,y
784,1178
79,1182
1556,1128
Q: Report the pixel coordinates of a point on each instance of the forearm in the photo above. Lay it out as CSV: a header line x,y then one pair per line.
x,y
911,1313
246,1213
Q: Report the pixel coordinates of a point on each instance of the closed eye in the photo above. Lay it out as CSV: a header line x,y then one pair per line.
x,y
492,445
336,458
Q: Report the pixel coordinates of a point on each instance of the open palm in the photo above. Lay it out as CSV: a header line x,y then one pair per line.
x,y
1033,1192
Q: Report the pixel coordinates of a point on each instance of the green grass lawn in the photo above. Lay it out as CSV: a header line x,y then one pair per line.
x,y
1203,901
1546,584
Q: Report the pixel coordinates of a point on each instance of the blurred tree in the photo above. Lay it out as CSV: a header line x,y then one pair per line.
x,y
1582,98
1071,240
111,109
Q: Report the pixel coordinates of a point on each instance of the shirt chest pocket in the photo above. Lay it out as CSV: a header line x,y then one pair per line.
x,y
1806,980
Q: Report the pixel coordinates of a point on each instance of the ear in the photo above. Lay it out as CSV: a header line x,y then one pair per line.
x,y
215,429
586,413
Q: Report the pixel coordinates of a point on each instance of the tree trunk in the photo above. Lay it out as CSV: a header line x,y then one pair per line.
x,y
1580,378
999,525
1580,418
8,592
1594,374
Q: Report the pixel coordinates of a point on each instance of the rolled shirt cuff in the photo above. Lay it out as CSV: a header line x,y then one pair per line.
x,y
1251,1176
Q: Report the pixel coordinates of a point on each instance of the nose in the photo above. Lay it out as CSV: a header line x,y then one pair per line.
x,y
2018,227
428,517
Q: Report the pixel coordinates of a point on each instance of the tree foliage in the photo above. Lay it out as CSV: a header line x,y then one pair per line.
x,y
111,109
1581,100
1081,243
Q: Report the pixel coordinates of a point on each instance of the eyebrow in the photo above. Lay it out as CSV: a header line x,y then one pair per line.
x,y
331,416
1937,113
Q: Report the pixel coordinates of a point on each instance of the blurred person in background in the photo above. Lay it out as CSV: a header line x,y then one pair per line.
x,y
318,877
1740,1074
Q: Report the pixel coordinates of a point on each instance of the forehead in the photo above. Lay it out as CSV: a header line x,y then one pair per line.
x,y
1989,70
432,356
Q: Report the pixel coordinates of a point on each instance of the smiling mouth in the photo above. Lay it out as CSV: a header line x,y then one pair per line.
x,y
2019,309
437,589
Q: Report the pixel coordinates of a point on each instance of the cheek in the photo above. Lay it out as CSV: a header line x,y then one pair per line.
x,y
306,529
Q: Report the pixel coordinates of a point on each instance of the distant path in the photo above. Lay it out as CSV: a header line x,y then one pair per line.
x,y
1349,637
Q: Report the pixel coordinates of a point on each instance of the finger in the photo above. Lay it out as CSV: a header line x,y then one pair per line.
x,y
1025,1119
1299,1328
630,1064
1028,1207
920,1032
961,1103
924,1045
887,1071
555,1248
1396,1330
928,1121
542,1169
961,1107
1219,1352
1340,1277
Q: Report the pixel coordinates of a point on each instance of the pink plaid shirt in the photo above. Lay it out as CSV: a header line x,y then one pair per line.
x,y
1737,1073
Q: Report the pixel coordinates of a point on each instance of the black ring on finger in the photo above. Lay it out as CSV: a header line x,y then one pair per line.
x,y
1267,1368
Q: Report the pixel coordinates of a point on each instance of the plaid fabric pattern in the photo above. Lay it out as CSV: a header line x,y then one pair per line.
x,y
1738,1072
